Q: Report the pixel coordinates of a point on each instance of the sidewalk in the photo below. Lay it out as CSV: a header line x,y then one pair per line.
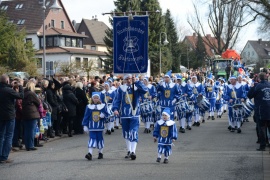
x,y
266,164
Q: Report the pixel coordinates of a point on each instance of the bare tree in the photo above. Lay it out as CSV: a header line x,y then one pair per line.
x,y
224,21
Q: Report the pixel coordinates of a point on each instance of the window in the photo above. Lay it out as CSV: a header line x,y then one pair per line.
x,y
11,21
248,54
73,42
78,62
4,7
28,39
55,41
39,63
19,6
48,3
52,23
62,41
49,41
62,25
79,43
252,53
93,48
68,42
85,62
21,21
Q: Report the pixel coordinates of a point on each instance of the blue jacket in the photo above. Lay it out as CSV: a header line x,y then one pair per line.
x,y
165,132
261,95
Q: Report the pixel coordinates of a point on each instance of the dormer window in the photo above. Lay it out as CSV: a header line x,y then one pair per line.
x,y
4,8
21,21
19,6
52,23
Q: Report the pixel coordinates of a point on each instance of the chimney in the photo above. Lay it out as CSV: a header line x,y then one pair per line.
x,y
74,23
96,18
260,41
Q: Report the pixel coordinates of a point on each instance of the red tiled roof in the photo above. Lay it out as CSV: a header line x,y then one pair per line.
x,y
63,50
194,39
31,12
55,31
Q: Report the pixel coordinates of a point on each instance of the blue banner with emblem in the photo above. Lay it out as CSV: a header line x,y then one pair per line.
x,y
130,44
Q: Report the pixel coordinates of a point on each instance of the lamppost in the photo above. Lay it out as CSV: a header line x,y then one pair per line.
x,y
54,7
165,42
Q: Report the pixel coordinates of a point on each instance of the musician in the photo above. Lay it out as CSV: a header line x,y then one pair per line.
x,y
147,105
110,81
127,102
219,99
169,93
197,90
185,92
107,96
243,81
211,95
223,88
234,95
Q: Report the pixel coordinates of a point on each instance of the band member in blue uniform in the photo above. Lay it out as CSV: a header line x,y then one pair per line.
x,y
146,105
107,96
210,93
127,102
197,90
219,99
165,134
235,95
185,92
169,93
93,123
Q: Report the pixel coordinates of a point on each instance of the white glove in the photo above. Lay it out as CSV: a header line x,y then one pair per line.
x,y
173,101
101,115
85,129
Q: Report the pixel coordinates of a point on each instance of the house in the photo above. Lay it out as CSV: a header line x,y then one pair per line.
x,y
95,32
255,51
64,46
191,42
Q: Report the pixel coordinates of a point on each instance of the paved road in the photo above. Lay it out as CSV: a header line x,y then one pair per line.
x,y
208,152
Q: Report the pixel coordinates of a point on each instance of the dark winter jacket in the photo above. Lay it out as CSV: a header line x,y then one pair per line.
x,y
51,98
70,100
7,101
30,105
261,95
83,101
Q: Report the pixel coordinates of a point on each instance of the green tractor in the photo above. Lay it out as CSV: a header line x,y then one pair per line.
x,y
222,68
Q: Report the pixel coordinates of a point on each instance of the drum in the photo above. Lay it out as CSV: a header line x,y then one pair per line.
x,y
146,108
246,111
237,110
190,106
109,109
250,104
181,108
203,103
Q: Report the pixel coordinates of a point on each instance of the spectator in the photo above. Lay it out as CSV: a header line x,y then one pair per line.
x,y
93,88
30,115
7,111
80,109
71,102
261,95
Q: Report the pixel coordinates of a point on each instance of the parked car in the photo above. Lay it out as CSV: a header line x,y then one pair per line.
x,y
21,75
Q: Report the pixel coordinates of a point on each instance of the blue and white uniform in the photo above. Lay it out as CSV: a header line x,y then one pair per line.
x,y
169,94
236,93
146,105
93,121
165,132
126,102
197,89
211,95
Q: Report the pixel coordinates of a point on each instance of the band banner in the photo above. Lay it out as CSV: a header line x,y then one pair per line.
x,y
130,42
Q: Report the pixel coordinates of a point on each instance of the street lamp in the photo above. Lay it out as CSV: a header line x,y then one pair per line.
x,y
54,7
165,42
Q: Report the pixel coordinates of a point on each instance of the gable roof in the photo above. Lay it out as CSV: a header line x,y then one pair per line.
x,y
262,48
31,12
56,31
96,29
193,40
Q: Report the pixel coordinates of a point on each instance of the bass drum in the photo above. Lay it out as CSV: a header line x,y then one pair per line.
x,y
203,103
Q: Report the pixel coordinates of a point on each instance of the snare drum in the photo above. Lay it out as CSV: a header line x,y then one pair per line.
x,y
190,106
146,108
181,108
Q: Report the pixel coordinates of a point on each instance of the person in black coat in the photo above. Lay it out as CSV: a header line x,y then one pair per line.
x,y
261,95
51,97
71,102
83,101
